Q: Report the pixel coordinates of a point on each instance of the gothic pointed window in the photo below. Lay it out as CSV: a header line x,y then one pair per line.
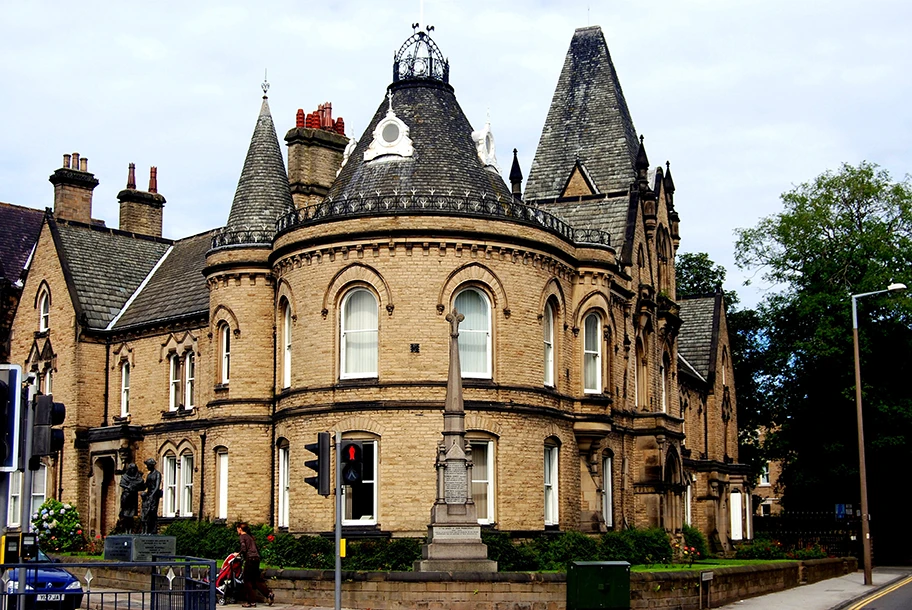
x,y
224,352
185,508
44,311
607,490
284,483
361,498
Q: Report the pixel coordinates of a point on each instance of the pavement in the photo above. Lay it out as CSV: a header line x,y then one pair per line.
x,y
830,594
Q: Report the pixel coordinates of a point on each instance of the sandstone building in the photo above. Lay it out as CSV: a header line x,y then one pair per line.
x,y
595,400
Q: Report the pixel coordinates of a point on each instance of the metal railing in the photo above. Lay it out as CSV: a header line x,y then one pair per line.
x,y
171,583
437,204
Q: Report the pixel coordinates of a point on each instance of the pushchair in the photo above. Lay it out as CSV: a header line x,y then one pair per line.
x,y
229,584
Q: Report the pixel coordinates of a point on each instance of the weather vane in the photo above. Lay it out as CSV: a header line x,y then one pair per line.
x,y
265,85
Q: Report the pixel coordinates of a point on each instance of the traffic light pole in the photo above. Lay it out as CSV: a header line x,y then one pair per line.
x,y
25,493
338,586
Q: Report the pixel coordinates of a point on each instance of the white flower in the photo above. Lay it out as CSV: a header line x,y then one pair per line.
x,y
62,511
67,506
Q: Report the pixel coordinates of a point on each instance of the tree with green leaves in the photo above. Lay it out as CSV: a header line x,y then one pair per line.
x,y
844,233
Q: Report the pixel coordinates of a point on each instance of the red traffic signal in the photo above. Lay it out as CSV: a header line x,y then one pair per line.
x,y
352,462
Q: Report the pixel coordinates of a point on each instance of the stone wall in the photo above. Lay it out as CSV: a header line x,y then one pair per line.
x,y
515,590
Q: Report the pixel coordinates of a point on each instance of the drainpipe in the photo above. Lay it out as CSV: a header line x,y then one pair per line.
x,y
104,421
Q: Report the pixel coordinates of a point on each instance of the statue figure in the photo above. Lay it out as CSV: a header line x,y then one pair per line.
x,y
131,481
150,499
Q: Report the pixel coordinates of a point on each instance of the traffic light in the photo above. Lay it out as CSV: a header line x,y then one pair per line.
x,y
320,465
352,462
46,440
10,404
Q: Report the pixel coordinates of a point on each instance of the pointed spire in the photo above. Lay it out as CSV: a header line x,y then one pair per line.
x,y
263,193
642,161
516,177
669,183
588,93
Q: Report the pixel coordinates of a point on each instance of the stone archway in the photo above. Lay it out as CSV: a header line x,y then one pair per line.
x,y
103,502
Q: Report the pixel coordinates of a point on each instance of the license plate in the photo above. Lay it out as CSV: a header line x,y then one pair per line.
x,y
49,597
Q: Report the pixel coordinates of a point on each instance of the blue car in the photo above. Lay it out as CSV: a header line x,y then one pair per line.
x,y
46,587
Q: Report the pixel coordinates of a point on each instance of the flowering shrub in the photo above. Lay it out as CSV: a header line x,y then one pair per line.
x,y
58,527
685,554
95,546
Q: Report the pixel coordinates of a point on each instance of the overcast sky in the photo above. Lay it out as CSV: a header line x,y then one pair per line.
x,y
745,98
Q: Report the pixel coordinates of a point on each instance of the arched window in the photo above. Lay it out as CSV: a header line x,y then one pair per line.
x,y
125,389
592,354
641,376
548,339
737,517
189,379
186,485
169,485
474,333
284,483
665,377
359,334
174,382
483,478
286,345
224,352
608,490
552,497
44,311
361,498
221,483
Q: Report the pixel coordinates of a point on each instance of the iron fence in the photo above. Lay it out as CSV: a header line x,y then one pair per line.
x,y
169,583
838,536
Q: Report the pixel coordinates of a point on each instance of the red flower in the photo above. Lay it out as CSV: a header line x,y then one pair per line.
x,y
79,532
270,537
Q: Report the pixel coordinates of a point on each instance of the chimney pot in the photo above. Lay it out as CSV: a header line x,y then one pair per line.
x,y
131,177
84,164
75,160
153,179
299,118
66,161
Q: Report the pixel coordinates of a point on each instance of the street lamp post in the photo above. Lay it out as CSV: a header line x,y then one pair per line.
x,y
865,517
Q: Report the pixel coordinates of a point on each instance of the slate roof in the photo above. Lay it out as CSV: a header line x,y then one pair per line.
x,y
588,120
263,193
445,157
103,266
699,329
604,214
176,289
19,229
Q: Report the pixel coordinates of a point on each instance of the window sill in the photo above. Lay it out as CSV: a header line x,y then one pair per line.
x,y
221,387
354,382
41,334
364,531
179,412
122,419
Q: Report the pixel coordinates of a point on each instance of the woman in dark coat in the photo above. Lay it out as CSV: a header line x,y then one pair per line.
x,y
252,569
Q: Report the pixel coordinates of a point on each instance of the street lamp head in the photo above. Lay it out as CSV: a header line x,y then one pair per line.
x,y
896,286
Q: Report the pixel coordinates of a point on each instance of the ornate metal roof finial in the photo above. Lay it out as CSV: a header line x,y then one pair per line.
x,y
390,96
265,85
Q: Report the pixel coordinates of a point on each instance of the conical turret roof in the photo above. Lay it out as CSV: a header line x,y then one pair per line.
x,y
588,123
263,193
431,148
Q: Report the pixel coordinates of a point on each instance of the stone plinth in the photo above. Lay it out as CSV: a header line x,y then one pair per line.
x,y
138,548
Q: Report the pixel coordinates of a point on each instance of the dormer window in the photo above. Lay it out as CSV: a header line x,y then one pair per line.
x,y
484,145
391,137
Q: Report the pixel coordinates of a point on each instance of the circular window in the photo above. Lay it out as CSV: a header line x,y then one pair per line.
x,y
390,133
489,144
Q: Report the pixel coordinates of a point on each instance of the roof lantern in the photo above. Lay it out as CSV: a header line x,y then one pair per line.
x,y
419,58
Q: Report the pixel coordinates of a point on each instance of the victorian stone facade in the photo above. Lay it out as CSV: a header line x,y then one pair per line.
x,y
594,399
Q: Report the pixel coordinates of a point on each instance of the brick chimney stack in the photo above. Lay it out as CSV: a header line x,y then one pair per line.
x,y
73,187
141,211
315,148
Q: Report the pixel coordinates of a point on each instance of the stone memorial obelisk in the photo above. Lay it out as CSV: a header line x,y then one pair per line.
x,y
454,536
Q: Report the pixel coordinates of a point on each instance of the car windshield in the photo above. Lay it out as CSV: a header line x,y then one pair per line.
x,y
43,557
